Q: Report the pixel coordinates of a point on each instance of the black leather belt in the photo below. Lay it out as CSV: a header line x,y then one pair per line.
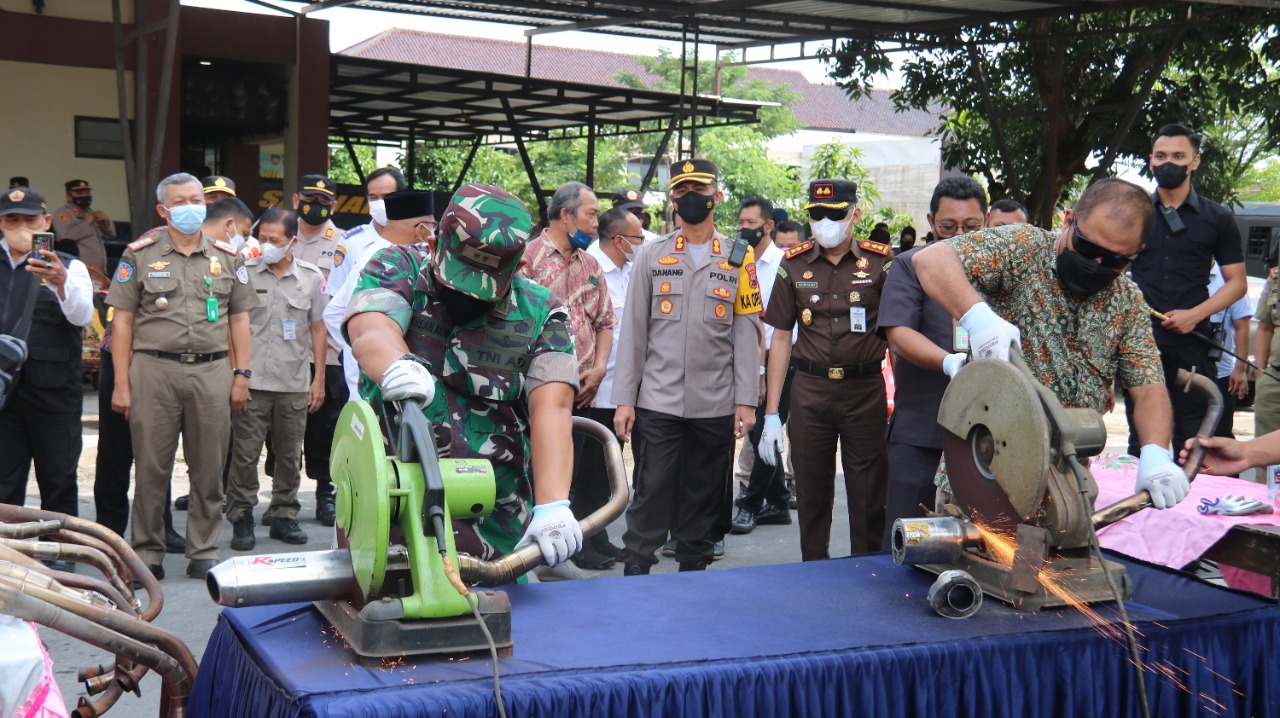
x,y
185,358
847,371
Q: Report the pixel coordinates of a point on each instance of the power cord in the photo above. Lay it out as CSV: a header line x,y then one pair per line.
x,y
456,582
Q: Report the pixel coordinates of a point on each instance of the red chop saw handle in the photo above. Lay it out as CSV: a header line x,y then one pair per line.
x,y
1195,455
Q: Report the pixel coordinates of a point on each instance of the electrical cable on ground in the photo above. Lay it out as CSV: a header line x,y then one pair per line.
x,y
458,586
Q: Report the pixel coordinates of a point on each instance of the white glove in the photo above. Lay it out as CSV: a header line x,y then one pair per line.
x,y
989,334
556,531
1159,476
1231,505
407,379
953,363
770,445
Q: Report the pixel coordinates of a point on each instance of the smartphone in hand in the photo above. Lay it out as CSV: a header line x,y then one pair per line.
x,y
41,241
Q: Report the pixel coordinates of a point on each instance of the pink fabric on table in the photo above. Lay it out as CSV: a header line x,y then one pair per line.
x,y
1171,537
46,699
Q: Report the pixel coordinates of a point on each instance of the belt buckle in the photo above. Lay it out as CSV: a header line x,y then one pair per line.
x,y
835,372
187,358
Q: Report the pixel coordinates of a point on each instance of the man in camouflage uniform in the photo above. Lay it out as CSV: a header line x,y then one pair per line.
x,y
489,355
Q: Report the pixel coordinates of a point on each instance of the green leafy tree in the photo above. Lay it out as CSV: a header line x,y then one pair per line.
x,y
342,170
1261,182
1062,91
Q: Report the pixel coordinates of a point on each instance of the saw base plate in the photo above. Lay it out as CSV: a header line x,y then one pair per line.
x,y
379,630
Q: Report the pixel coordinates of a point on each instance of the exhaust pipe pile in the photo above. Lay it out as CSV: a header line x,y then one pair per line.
x,y
103,612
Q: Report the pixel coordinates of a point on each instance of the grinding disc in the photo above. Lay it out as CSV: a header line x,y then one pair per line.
x,y
362,483
996,443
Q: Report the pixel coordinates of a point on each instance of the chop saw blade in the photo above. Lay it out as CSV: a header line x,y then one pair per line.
x,y
996,443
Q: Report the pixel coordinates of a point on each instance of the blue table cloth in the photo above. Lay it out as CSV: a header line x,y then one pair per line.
x,y
845,637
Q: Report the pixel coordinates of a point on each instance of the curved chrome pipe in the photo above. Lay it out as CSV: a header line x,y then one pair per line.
x,y
29,529
507,569
955,594
55,551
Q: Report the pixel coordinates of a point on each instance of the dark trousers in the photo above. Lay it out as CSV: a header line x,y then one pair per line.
x,y
590,489
683,471
317,443
1189,407
852,412
911,473
767,483
115,458
1226,424
52,440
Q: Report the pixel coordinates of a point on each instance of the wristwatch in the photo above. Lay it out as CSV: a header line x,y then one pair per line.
x,y
246,373
762,370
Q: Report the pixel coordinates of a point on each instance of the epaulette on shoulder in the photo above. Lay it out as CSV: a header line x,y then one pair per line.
x,y
144,242
353,231
798,250
877,247
226,247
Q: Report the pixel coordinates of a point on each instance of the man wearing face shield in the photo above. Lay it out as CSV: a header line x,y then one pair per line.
x,y
831,286
286,329
77,221
178,296
1190,233
489,354
1064,300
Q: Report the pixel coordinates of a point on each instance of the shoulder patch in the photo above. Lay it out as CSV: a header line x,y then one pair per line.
x,y
798,250
64,217
339,254
226,247
124,272
328,233
144,242
877,247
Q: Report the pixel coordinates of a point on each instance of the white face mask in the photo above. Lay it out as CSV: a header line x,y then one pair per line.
x,y
378,211
236,240
829,233
272,254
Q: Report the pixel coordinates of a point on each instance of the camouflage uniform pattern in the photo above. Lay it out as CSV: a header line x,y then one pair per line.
x,y
486,370
481,239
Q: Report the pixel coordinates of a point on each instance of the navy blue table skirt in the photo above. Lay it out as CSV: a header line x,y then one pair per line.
x,y
846,637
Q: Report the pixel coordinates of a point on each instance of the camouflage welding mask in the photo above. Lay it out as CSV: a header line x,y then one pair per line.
x,y
480,241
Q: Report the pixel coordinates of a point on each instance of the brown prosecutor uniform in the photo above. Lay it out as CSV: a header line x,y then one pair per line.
x,y
688,354
180,379
838,393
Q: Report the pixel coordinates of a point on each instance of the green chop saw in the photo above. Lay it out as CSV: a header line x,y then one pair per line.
x,y
1015,458
394,586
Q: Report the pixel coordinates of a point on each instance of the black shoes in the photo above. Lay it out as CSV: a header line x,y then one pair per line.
x,y
156,570
592,560
635,569
744,522
287,530
266,519
791,486
669,548
772,514
717,551
242,538
173,541
326,512
607,547
198,567
182,502
697,565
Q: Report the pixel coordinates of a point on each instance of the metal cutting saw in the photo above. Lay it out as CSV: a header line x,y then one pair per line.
x,y
1023,497
395,585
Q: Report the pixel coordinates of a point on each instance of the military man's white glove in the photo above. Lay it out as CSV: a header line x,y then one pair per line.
x,y
407,379
953,363
989,335
556,531
770,446
1161,477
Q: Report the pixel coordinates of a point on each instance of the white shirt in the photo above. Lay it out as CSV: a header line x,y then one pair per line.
x,y
336,309
1242,307
767,264
352,244
617,279
77,307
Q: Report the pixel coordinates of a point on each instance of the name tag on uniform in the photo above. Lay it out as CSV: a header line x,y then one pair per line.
x,y
159,275
290,329
858,319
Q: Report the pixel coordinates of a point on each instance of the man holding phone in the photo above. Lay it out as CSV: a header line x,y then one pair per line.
x,y
41,421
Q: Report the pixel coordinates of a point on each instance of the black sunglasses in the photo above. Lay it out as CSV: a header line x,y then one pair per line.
x,y
818,214
1092,250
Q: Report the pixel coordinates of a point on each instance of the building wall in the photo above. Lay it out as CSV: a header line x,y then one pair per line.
x,y
92,10
40,131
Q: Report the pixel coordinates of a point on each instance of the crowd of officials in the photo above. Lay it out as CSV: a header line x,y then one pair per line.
x,y
233,331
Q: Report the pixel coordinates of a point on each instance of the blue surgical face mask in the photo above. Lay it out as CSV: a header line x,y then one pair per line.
x,y
186,218
580,239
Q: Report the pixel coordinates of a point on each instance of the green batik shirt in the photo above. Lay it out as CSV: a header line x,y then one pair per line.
x,y
1076,347
485,371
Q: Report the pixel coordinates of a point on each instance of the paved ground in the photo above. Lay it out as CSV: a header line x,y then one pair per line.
x,y
190,613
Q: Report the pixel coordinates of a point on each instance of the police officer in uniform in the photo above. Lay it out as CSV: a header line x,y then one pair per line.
x,y
176,294
687,376
217,187
77,221
318,239
832,287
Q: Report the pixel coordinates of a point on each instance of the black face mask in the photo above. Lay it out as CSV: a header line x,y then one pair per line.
x,y
463,309
1082,276
82,202
753,236
694,208
907,242
313,213
1170,174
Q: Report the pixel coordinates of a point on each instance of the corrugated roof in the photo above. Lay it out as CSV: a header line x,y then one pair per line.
x,y
821,107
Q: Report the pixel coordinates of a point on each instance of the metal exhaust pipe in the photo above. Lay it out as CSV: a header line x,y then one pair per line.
x,y
955,594
282,578
29,529
932,540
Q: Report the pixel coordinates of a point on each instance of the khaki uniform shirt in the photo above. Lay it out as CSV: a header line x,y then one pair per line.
x,y
69,223
318,250
837,305
690,338
152,268
1268,313
281,324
